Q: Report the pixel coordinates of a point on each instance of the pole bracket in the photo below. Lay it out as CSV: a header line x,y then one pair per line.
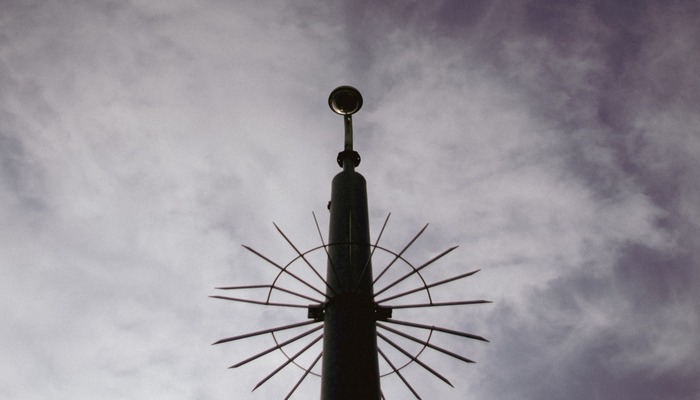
x,y
315,312
349,155
382,313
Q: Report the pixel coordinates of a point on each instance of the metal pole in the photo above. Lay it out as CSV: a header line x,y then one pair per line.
x,y
350,363
347,119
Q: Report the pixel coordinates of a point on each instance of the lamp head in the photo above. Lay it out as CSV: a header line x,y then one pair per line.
x,y
345,100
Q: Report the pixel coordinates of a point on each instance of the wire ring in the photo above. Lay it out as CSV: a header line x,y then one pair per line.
x,y
372,247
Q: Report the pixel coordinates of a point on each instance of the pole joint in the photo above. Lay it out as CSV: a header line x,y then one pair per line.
x,y
350,155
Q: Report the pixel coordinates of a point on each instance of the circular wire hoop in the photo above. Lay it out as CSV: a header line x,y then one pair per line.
x,y
373,247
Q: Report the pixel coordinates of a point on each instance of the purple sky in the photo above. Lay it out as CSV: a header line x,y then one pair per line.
x,y
143,142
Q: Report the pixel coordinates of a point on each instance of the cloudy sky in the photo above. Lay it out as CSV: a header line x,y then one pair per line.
x,y
143,142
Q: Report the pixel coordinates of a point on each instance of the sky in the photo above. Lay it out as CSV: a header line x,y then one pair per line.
x,y
143,142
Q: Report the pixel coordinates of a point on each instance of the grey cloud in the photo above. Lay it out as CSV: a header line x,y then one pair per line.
x,y
555,142
591,71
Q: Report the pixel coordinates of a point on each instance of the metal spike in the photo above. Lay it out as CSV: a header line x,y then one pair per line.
x,y
281,289
408,385
291,359
449,303
371,254
432,346
264,303
399,255
325,248
279,328
437,328
279,346
419,362
285,270
415,271
432,285
302,257
306,373
242,287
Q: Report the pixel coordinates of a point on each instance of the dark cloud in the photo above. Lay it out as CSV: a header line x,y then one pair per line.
x,y
591,70
586,336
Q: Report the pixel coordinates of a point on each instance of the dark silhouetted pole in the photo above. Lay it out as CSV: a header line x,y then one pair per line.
x,y
350,365
348,309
